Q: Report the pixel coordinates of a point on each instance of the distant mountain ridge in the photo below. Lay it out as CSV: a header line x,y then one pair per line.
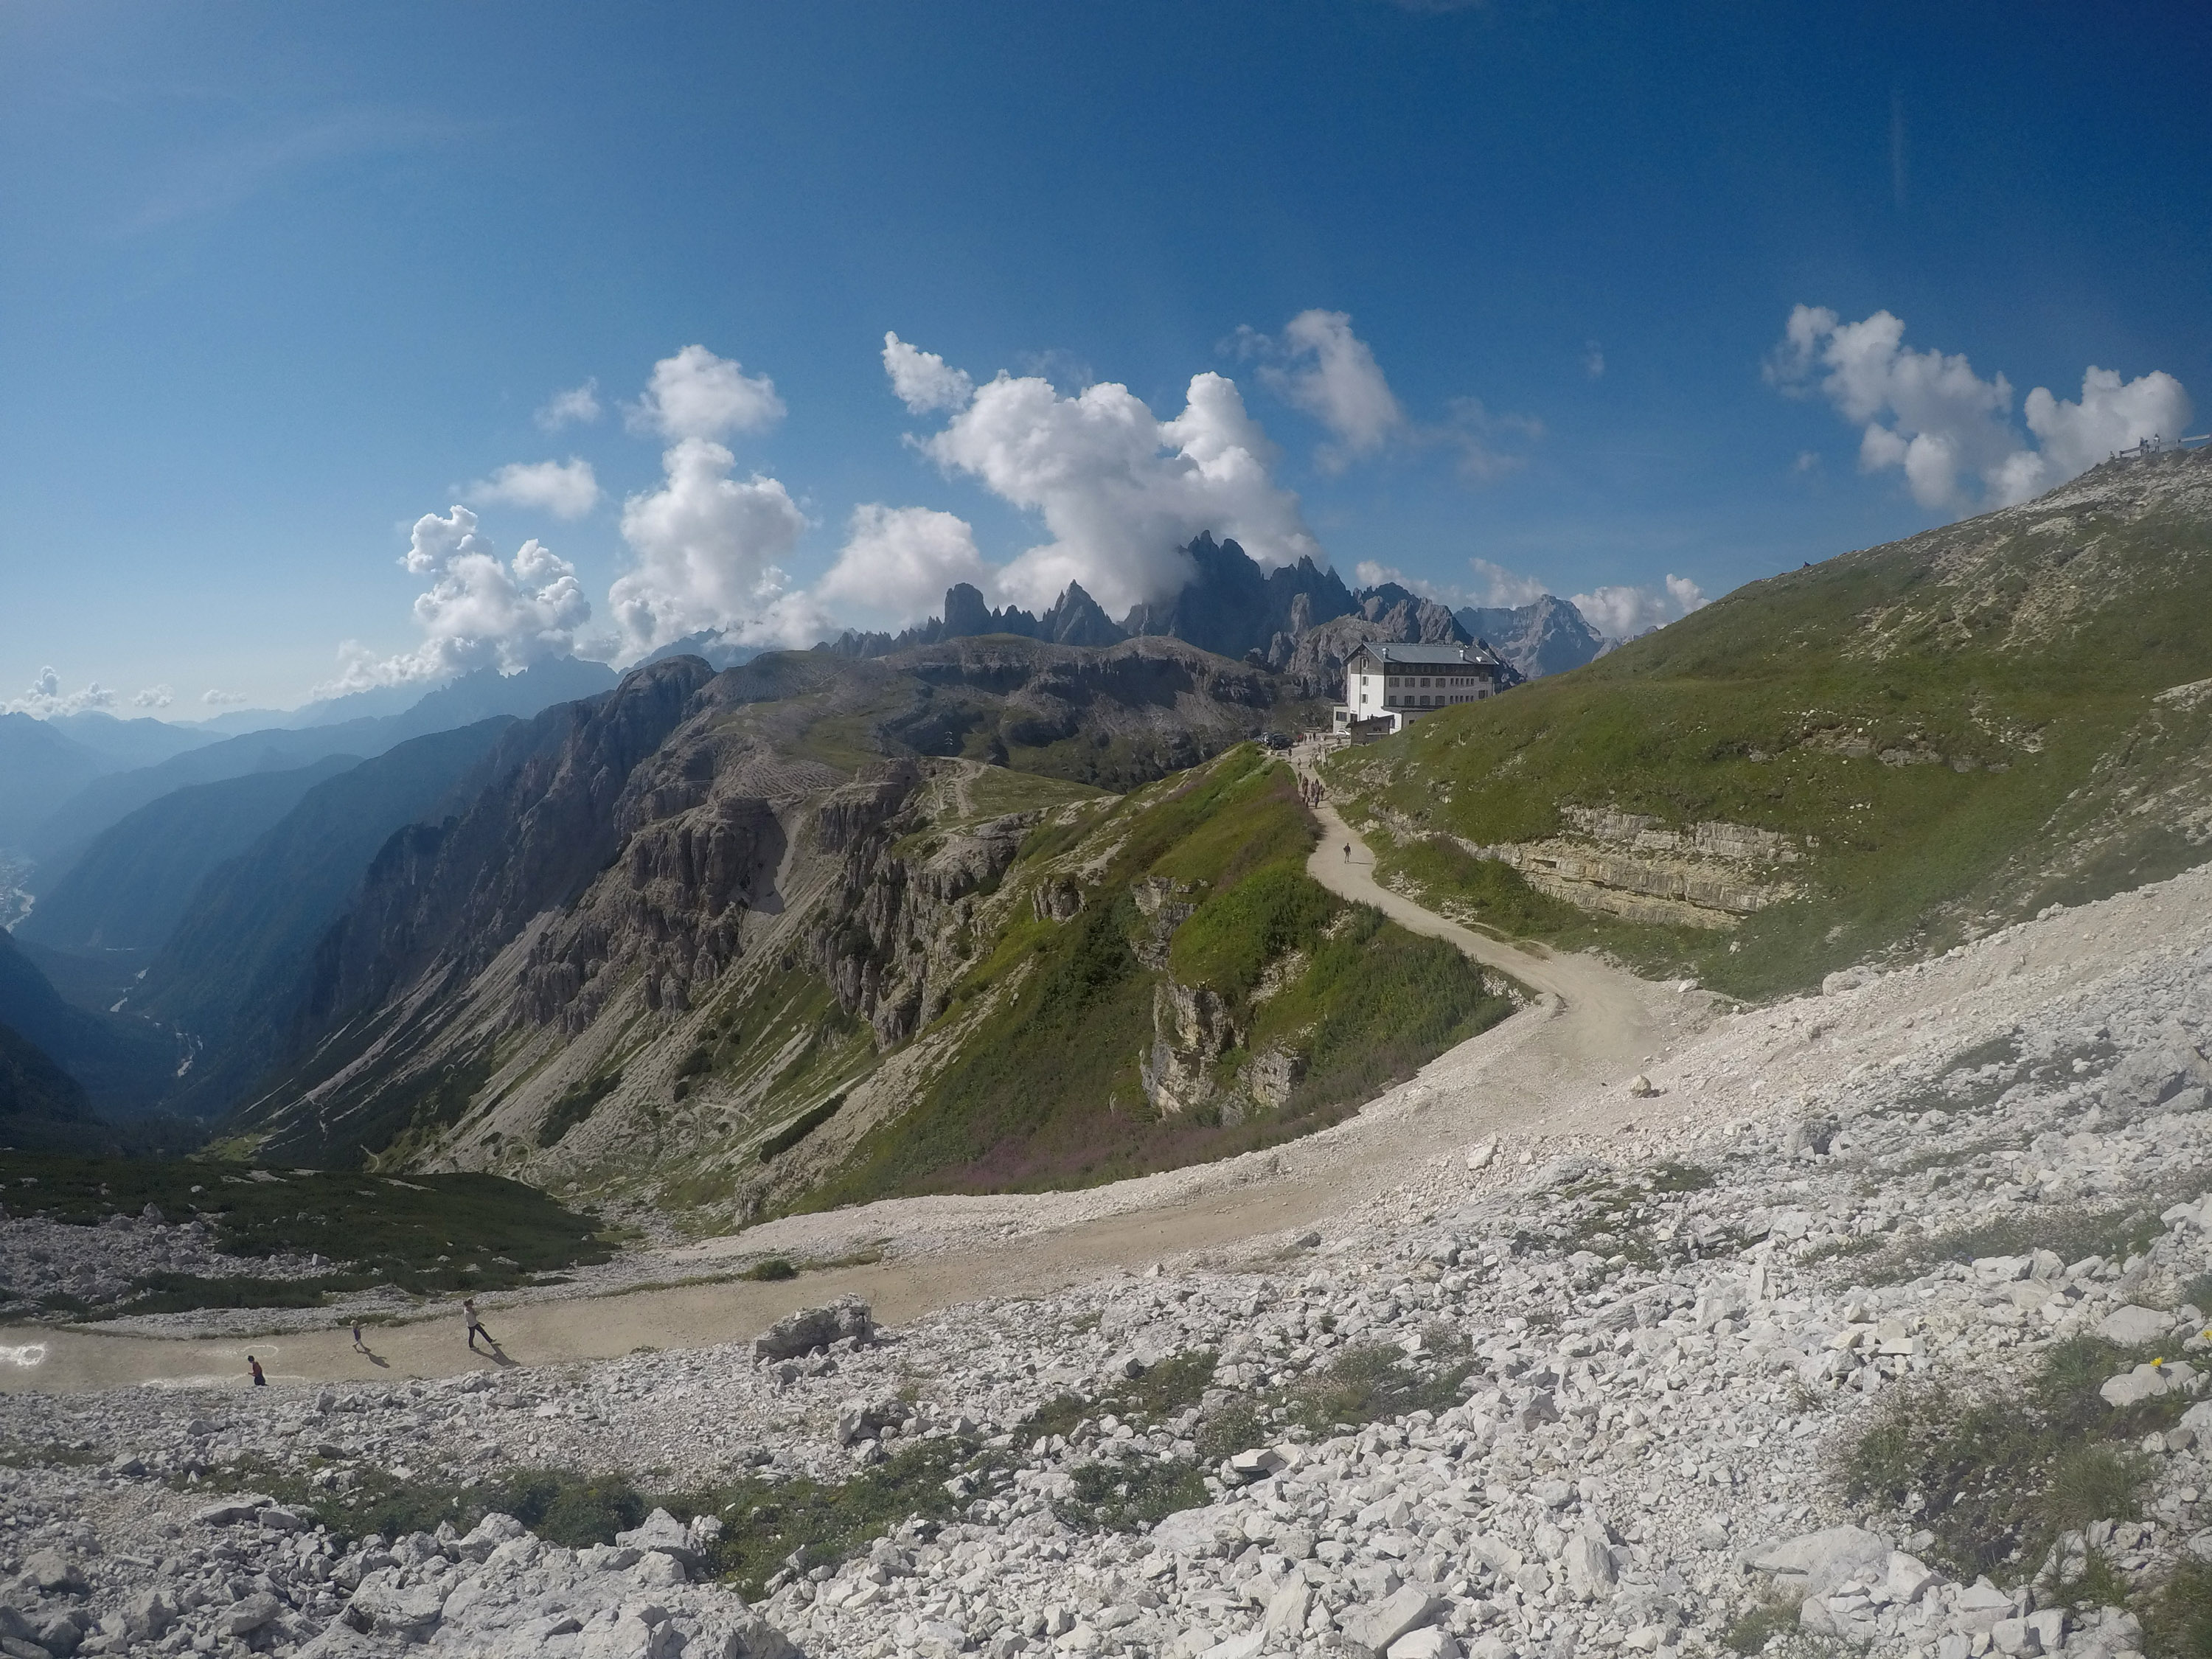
x,y
133,882
102,800
1298,619
788,873
1550,635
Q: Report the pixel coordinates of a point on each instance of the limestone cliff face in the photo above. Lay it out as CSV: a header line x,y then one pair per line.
x,y
1195,1028
1626,864
1191,1030
888,942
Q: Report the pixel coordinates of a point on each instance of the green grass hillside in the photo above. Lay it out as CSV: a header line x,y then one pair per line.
x,y
1044,1090
1952,730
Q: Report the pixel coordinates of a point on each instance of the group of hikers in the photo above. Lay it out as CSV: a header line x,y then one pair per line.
x,y
468,1317
1310,790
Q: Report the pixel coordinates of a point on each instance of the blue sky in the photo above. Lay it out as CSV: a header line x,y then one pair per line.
x,y
1503,283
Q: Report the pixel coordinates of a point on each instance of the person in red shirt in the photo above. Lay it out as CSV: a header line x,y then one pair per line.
x,y
254,1366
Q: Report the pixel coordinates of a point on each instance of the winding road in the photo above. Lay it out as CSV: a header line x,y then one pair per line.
x,y
1605,1012
1557,1069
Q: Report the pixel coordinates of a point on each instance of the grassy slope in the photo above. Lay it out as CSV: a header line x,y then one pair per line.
x,y
2023,657
1045,1091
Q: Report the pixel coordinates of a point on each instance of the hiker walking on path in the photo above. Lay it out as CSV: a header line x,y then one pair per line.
x,y
476,1325
254,1366
359,1346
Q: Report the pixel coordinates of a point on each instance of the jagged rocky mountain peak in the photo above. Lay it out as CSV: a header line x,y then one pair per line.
x,y
1233,607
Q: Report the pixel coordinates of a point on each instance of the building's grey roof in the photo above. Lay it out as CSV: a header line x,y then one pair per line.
x,y
1450,655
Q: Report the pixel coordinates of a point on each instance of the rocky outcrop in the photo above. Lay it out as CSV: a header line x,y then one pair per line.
x,y
621,859
1625,864
1191,1030
1232,607
888,944
1299,621
1075,618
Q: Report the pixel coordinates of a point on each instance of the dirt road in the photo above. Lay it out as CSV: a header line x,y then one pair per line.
x,y
1555,1068
1608,1018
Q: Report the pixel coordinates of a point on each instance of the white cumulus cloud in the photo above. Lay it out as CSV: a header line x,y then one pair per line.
x,y
480,611
1119,489
567,490
1485,442
1948,430
45,697
1622,612
1373,573
578,406
696,394
707,546
1317,364
2113,414
897,561
1502,589
153,697
921,379
1320,365
216,697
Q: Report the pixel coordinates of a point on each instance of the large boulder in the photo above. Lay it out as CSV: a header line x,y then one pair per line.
x,y
811,1330
1369,1630
2150,1076
487,1534
1590,1572
53,1573
1816,1563
1189,1533
228,1511
663,1532
739,1633
2131,1327
381,1608
244,1617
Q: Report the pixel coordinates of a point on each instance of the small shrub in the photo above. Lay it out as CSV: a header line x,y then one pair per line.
x,y
2097,1582
1368,1384
1123,1496
1756,1625
800,1128
1999,1478
2177,1615
772,1271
